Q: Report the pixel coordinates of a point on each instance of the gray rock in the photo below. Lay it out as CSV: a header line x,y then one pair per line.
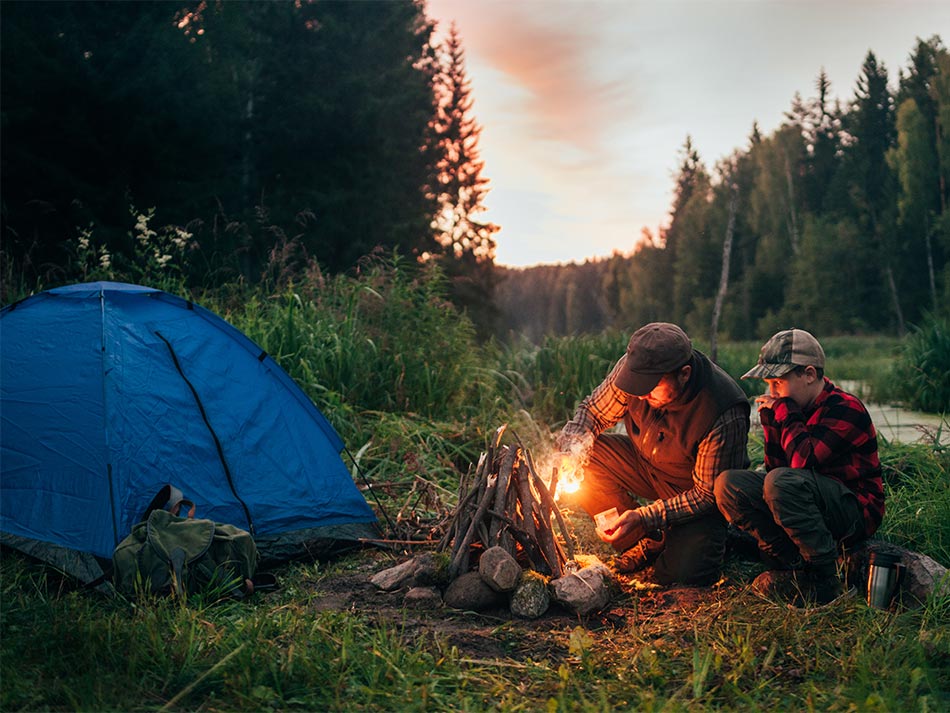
x,y
421,570
469,591
394,577
423,598
531,597
499,569
584,591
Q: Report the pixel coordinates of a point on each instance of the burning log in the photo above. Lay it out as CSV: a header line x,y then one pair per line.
x,y
507,504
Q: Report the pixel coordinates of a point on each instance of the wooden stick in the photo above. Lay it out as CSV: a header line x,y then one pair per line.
x,y
452,529
546,495
526,497
546,545
501,492
528,545
461,553
395,542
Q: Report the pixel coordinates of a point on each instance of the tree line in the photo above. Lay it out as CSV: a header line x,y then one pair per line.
x,y
288,133
837,221
275,138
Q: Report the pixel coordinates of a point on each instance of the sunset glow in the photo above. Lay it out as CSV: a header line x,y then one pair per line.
x,y
585,106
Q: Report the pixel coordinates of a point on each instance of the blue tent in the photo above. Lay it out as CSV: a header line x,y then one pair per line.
x,y
109,391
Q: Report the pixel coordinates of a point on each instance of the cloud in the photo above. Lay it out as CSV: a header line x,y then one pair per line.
x,y
546,50
553,128
585,105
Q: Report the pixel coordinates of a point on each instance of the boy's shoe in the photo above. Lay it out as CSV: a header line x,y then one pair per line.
x,y
641,555
813,586
820,586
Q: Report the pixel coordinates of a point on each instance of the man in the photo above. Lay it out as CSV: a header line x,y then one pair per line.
x,y
686,421
822,484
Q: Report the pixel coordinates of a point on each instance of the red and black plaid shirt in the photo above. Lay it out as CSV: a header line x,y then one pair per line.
x,y
834,437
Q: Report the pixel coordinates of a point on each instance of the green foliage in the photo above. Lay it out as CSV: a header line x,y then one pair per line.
x,y
215,113
386,340
285,651
552,378
917,497
922,372
841,226
465,239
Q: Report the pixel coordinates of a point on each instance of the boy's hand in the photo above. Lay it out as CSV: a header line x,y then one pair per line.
x,y
766,402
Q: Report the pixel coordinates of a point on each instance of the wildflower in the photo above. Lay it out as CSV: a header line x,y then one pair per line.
x,y
181,238
142,229
105,260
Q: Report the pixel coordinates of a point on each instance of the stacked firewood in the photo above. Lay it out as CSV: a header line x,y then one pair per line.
x,y
506,503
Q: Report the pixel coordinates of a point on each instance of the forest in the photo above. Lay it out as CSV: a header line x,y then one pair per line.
x,y
269,141
836,221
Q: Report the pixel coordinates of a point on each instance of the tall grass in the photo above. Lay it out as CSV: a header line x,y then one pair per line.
x,y
923,369
550,379
917,498
387,340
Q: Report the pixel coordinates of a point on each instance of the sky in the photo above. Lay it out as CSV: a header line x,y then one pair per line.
x,y
585,105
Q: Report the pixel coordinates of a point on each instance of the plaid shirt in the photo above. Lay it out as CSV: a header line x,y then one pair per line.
x,y
833,437
723,448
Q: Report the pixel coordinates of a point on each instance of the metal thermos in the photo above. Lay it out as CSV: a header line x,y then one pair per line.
x,y
884,574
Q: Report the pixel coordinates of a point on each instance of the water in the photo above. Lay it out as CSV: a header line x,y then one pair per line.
x,y
902,425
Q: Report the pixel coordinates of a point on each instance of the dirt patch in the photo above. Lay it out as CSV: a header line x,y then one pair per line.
x,y
638,608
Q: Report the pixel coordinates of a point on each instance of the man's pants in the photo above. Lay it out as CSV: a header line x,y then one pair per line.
x,y
617,474
793,513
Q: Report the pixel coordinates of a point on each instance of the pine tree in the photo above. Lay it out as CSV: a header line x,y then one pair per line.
x,y
823,144
690,178
872,186
467,242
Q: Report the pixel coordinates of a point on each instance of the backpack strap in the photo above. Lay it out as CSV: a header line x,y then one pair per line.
x,y
176,508
168,498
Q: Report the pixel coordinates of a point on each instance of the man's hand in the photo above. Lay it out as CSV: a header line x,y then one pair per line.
x,y
577,445
628,530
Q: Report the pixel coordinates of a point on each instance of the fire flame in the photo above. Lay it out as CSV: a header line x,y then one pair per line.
x,y
570,476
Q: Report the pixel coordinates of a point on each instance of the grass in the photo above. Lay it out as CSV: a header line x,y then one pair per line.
x,y
400,376
729,651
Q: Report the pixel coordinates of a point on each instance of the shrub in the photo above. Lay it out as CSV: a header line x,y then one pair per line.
x,y
923,367
384,340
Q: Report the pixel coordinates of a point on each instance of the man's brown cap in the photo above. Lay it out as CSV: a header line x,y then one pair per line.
x,y
784,351
654,350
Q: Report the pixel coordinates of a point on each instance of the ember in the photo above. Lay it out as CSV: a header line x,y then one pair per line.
x,y
507,504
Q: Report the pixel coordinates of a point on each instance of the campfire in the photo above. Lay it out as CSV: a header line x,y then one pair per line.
x,y
506,543
507,504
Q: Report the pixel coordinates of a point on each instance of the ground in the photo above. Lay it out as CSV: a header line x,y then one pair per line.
x,y
637,605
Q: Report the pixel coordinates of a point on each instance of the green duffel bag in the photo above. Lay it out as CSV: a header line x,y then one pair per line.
x,y
178,556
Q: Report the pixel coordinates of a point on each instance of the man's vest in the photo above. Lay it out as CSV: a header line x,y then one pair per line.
x,y
669,438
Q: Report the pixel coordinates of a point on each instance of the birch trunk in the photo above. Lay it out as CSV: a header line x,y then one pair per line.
x,y
724,275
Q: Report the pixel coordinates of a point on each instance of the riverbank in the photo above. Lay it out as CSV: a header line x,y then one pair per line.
x,y
902,426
